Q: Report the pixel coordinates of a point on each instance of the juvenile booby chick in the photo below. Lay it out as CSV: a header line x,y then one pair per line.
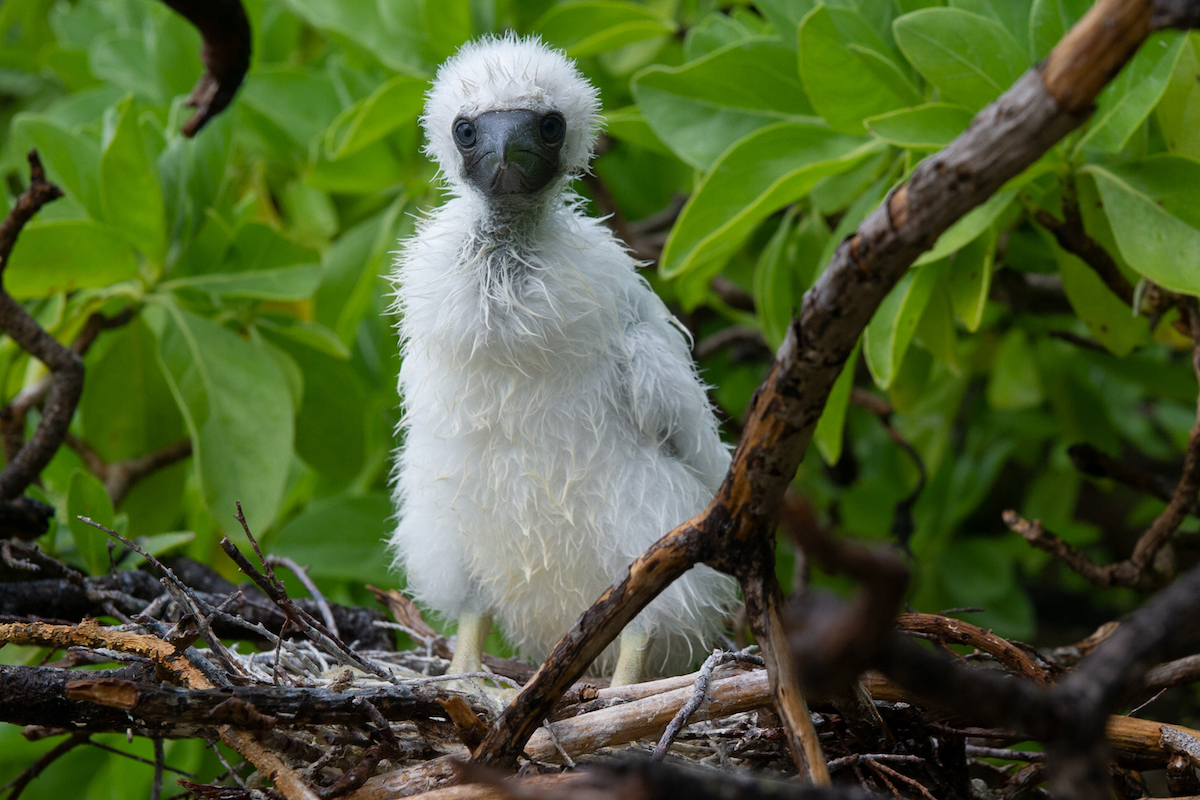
x,y
554,425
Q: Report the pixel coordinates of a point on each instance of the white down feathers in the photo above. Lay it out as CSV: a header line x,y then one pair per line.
x,y
553,424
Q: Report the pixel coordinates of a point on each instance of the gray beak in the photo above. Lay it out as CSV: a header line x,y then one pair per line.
x,y
506,152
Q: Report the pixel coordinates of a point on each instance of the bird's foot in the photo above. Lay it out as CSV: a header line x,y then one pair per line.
x,y
631,661
473,630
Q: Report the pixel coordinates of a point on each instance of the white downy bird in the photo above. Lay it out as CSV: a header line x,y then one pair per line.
x,y
554,425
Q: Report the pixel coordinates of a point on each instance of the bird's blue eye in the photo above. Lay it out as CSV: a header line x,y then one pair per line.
x,y
464,133
553,128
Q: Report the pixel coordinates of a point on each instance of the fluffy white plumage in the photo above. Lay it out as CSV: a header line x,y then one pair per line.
x,y
554,425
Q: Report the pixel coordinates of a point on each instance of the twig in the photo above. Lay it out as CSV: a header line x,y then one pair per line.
x,y
1148,702
902,521
1176,14
200,611
12,416
1073,238
66,366
300,618
139,759
879,766
699,692
1004,754
731,336
18,784
1095,462
731,294
302,575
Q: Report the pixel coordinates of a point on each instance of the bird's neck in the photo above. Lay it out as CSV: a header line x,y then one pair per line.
x,y
514,222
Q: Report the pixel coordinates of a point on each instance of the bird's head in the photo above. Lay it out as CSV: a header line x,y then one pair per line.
x,y
510,119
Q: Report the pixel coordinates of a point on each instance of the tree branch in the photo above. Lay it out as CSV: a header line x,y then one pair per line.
x,y
226,55
120,477
66,383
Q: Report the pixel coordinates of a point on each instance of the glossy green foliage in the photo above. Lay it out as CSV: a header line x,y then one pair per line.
x,y
253,258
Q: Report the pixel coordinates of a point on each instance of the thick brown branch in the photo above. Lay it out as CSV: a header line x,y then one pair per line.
x,y
226,55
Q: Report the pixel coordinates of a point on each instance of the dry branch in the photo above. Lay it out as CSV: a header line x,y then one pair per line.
x,y
955,631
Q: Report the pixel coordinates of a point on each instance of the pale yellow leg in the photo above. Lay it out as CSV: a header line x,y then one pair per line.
x,y
631,661
473,630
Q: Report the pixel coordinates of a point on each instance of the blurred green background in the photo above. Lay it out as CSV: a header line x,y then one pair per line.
x,y
255,256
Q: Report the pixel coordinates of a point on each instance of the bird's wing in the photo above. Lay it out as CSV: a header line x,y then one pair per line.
x,y
667,398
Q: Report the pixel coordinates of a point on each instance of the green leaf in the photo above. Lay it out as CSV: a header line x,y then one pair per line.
x,y
86,498
129,190
330,426
127,409
1105,314
371,169
785,269
970,278
299,100
930,126
701,108
891,330
628,125
786,15
936,330
828,434
590,27
393,31
1179,111
1132,95
356,553
257,246
157,545
65,256
309,334
284,283
121,58
1050,19
757,176
971,59
912,380
1015,383
238,410
72,160
713,32
447,26
1153,206
842,86
969,227
774,296
395,103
